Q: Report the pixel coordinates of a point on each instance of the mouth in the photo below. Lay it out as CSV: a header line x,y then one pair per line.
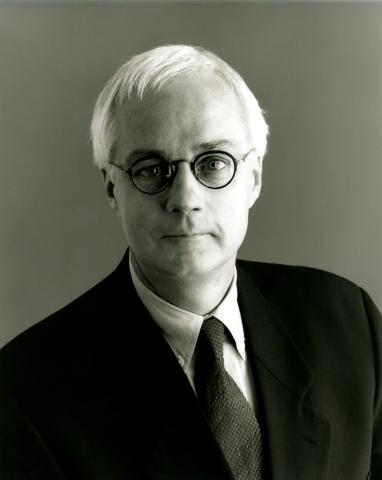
x,y
185,234
181,236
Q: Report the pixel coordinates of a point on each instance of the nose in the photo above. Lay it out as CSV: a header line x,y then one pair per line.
x,y
184,194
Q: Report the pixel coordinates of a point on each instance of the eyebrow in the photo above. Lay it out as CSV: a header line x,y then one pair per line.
x,y
141,153
212,145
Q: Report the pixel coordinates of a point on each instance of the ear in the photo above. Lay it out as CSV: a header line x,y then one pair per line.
x,y
256,164
109,189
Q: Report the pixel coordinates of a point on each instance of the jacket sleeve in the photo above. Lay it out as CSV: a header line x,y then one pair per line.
x,y
375,321
23,454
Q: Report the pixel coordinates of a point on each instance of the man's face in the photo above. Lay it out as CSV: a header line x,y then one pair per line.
x,y
187,229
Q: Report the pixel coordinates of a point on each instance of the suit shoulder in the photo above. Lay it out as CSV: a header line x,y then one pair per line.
x,y
54,330
301,279
313,303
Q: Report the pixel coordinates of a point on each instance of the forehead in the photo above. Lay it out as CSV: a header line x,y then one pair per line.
x,y
184,114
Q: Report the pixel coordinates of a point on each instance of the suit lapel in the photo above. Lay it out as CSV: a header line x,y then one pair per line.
x,y
182,445
296,438
174,437
180,442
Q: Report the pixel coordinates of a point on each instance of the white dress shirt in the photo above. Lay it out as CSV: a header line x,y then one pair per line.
x,y
181,329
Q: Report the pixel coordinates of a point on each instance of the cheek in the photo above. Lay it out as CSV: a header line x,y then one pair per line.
x,y
135,222
236,220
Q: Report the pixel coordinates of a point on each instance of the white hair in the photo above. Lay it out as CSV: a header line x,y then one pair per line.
x,y
150,71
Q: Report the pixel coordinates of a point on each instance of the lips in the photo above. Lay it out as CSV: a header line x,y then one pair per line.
x,y
184,235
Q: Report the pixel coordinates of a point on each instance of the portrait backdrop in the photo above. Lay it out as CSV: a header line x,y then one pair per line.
x,y
316,68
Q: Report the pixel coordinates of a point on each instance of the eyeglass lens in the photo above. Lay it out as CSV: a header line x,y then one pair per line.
x,y
213,170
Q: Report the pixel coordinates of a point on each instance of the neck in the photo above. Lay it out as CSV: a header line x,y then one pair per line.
x,y
197,294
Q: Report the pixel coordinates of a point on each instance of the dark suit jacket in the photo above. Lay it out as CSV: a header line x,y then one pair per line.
x,y
94,391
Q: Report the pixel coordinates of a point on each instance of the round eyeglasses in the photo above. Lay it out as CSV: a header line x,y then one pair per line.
x,y
214,169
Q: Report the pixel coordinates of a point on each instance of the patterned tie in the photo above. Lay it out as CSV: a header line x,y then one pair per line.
x,y
231,418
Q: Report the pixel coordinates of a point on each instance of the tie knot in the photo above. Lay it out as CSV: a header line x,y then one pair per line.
x,y
212,332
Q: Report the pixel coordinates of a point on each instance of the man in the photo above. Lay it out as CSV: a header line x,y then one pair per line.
x,y
186,363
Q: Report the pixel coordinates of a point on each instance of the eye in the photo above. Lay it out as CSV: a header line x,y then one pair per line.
x,y
213,163
150,168
216,164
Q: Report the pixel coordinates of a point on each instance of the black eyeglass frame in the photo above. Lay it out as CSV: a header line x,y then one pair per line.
x,y
172,169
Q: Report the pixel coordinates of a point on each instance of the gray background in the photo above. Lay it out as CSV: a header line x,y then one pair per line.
x,y
315,67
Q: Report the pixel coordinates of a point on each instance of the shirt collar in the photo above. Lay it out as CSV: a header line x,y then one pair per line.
x,y
228,313
181,328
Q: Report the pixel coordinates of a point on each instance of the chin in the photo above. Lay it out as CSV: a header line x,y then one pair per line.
x,y
189,265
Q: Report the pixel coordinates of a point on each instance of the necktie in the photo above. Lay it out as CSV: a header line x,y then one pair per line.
x,y
231,418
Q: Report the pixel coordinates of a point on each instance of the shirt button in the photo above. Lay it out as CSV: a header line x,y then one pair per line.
x,y
181,361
